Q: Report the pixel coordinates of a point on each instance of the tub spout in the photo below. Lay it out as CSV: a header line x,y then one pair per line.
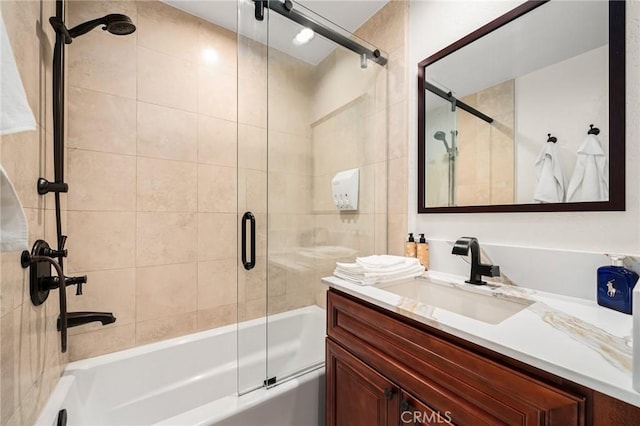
x,y
75,319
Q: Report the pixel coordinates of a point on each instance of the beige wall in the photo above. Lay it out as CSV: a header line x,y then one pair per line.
x,y
30,357
388,30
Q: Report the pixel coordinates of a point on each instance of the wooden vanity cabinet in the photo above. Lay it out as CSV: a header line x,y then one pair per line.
x,y
384,369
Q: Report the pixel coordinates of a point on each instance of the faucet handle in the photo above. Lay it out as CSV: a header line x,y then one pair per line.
x,y
494,271
54,282
78,281
462,245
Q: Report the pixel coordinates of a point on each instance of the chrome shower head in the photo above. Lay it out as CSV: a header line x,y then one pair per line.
x,y
442,136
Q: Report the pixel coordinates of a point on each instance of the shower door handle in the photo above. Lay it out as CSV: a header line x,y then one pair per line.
x,y
248,216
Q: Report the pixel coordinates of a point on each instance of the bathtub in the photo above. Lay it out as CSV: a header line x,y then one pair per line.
x,y
193,380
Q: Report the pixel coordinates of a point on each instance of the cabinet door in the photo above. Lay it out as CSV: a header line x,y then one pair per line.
x,y
356,394
415,412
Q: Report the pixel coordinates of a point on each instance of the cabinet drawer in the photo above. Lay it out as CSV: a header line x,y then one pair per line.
x,y
449,378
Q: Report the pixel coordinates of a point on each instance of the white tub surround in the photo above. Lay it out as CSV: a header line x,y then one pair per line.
x,y
193,380
572,338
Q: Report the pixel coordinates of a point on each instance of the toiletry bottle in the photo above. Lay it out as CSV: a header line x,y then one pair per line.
x,y
410,247
615,286
422,248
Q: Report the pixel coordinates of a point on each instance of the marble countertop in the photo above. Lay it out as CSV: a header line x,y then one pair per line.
x,y
572,338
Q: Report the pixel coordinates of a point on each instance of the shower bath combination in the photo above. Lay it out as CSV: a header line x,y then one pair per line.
x,y
42,257
452,152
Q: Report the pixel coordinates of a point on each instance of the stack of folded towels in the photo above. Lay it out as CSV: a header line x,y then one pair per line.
x,y
379,269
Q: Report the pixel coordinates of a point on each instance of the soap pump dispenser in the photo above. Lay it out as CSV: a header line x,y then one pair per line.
x,y
422,248
615,286
410,247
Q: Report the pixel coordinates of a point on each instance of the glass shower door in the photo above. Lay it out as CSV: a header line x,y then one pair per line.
x,y
308,108
252,39
325,114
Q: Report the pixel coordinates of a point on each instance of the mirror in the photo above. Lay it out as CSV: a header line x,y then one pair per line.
x,y
526,113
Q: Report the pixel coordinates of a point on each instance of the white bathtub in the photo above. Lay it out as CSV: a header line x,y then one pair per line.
x,y
193,380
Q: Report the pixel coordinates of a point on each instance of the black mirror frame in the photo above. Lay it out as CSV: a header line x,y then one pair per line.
x,y
617,121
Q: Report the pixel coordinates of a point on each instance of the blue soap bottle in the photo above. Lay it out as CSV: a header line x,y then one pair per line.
x,y
615,286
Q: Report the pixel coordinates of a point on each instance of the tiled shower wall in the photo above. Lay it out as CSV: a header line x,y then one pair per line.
x,y
388,30
153,163
486,161
30,357
152,175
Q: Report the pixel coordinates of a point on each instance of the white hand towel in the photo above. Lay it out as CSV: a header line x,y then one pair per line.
x,y
590,179
380,261
550,187
13,222
15,114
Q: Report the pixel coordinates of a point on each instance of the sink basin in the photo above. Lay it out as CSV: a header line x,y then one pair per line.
x,y
469,302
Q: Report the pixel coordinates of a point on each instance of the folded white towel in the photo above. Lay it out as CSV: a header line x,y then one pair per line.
x,y
374,279
381,261
590,179
13,222
378,269
550,187
15,114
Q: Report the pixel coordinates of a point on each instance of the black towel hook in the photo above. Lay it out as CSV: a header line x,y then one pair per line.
x,y
593,130
552,138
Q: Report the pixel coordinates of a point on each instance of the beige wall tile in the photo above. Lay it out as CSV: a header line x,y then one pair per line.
x,y
396,229
166,290
167,133
217,317
217,141
217,283
163,238
103,341
101,122
397,192
218,48
252,191
217,93
100,240
9,355
177,78
168,30
165,328
101,181
13,280
165,185
217,189
252,147
23,161
100,61
217,236
398,130
105,291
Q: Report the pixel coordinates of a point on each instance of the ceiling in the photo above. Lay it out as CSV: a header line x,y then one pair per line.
x,y
237,16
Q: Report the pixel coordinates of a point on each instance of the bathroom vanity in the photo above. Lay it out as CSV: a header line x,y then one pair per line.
x,y
392,361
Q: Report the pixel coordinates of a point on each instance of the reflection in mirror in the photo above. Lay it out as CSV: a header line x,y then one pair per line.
x,y
490,102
